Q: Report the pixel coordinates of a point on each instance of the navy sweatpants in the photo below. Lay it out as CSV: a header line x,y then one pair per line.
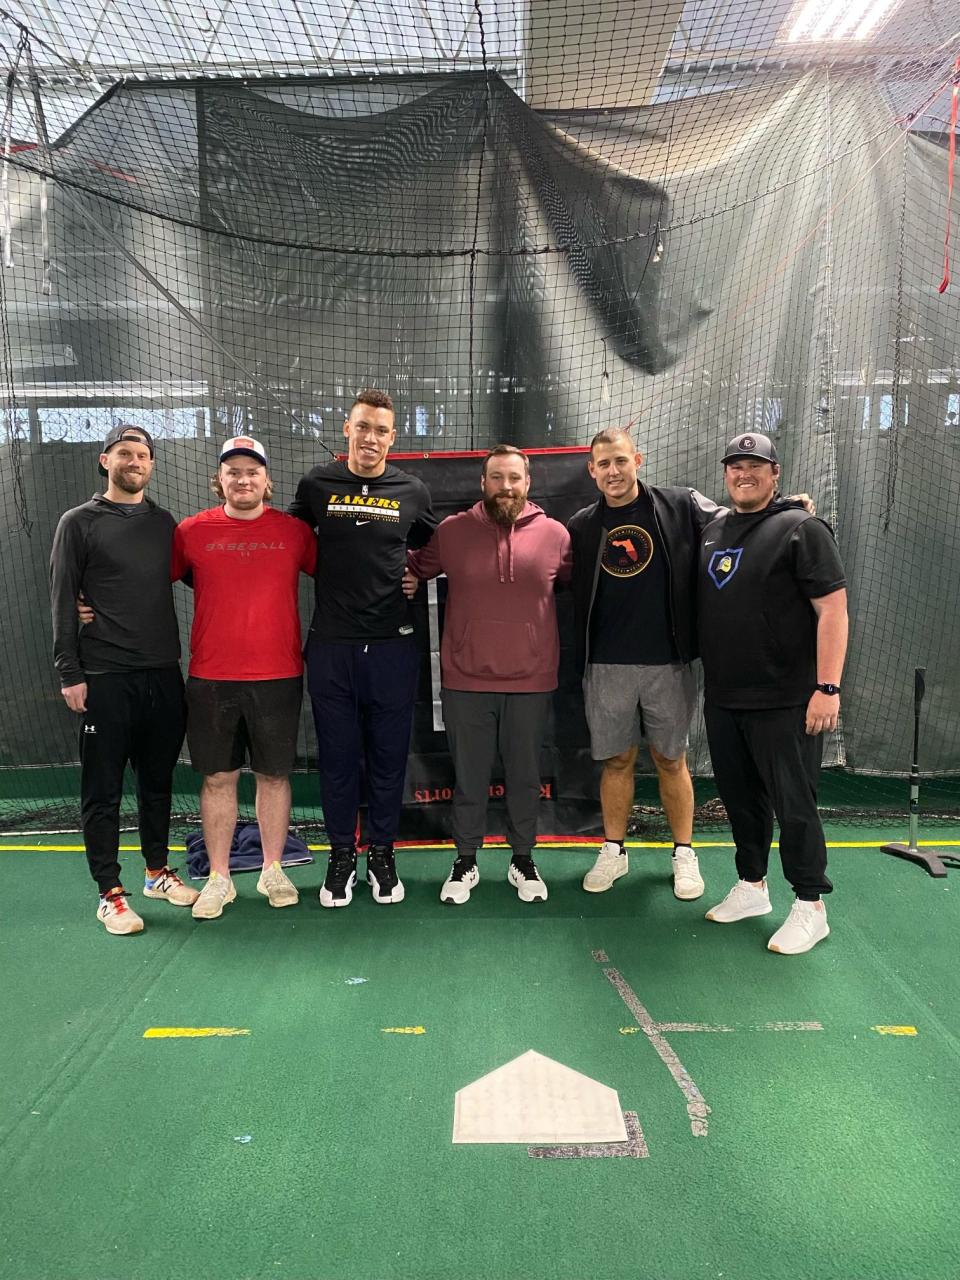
x,y
362,697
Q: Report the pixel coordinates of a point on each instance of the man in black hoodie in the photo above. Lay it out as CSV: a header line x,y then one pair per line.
x,y
772,622
120,673
362,661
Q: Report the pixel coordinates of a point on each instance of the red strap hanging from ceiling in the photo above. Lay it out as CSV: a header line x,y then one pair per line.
x,y
955,94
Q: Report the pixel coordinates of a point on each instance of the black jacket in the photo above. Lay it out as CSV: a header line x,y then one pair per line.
x,y
681,515
121,563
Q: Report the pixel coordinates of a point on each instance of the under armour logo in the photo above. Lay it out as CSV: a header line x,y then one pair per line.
x,y
89,728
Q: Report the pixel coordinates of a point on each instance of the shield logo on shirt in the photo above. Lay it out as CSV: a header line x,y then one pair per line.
x,y
723,565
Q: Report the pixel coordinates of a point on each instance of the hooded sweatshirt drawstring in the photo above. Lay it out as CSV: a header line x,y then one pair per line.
x,y
509,536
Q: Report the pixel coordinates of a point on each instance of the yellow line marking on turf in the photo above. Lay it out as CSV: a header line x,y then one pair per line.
x,y
170,1033
546,844
895,1031
75,848
405,1031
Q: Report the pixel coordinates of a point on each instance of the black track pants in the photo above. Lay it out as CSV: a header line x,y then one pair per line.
x,y
765,764
140,717
479,727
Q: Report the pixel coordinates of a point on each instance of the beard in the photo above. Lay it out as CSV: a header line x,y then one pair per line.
x,y
129,483
504,512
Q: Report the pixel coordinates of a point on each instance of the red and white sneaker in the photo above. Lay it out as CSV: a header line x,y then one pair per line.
x,y
116,915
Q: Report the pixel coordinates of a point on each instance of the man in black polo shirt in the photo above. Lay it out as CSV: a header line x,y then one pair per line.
x,y
634,580
121,672
772,618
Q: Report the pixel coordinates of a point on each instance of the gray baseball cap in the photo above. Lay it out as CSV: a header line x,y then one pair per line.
x,y
751,445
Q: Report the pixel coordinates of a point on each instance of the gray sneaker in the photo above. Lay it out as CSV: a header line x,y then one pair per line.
x,y
214,896
276,885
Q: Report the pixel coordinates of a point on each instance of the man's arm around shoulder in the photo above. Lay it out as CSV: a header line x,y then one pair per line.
x,y
301,507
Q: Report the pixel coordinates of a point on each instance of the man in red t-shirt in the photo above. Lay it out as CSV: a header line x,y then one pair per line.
x,y
246,668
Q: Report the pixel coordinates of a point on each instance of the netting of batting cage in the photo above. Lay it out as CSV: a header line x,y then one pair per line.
x,y
525,221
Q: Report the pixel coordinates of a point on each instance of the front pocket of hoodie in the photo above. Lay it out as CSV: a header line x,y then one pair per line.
x,y
501,650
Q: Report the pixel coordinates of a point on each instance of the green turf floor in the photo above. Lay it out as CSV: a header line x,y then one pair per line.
x,y
830,1154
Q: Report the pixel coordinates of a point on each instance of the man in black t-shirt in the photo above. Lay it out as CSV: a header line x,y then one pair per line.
x,y
634,582
362,661
772,618
120,673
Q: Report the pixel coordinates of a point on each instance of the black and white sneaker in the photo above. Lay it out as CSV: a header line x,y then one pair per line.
x,y
464,876
525,878
337,889
385,884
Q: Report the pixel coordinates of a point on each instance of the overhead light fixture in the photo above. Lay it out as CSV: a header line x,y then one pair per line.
x,y
836,19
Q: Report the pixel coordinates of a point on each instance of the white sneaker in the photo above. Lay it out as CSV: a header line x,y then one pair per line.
x,y
687,880
743,901
214,896
116,915
804,927
167,884
275,884
610,865
464,877
525,878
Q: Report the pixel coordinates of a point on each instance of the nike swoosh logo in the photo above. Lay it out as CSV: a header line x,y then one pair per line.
x,y
360,522
710,544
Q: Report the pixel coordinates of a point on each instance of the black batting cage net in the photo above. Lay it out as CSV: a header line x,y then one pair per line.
x,y
526,222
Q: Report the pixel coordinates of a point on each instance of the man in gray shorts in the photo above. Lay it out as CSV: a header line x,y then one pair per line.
x,y
634,589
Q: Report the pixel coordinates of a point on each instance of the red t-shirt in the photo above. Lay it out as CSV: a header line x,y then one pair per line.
x,y
246,619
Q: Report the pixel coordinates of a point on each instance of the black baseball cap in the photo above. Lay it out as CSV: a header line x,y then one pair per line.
x,y
125,431
751,445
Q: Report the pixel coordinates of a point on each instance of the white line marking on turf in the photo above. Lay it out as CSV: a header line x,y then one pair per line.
x,y
748,1026
697,1108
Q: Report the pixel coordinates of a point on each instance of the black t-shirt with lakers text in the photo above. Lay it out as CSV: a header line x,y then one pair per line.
x,y
630,618
364,527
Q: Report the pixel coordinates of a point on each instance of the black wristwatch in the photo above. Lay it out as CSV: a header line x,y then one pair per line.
x,y
828,689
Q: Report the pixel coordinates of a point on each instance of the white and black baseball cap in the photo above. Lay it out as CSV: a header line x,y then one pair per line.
x,y
245,445
751,445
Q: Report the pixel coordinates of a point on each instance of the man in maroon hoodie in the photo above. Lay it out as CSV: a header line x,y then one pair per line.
x,y
498,658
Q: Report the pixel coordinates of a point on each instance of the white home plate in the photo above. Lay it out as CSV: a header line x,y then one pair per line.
x,y
534,1099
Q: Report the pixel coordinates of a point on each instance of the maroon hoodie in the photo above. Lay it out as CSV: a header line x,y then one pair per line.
x,y
500,629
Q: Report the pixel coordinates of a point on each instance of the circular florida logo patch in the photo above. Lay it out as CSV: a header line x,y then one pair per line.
x,y
628,551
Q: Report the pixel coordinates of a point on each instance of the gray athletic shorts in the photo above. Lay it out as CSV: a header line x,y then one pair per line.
x,y
630,704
